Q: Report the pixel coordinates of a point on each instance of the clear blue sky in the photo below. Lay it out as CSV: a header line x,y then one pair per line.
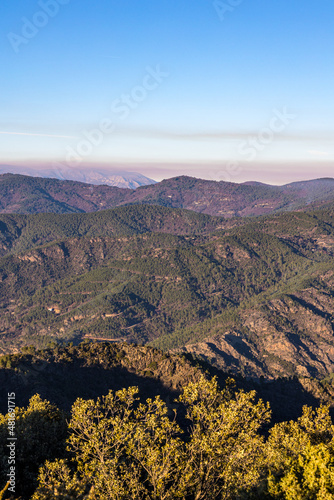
x,y
191,87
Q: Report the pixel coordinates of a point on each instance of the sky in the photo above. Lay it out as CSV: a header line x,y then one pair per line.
x,y
232,90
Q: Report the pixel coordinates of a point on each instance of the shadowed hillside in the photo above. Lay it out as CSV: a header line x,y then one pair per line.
x,y
61,374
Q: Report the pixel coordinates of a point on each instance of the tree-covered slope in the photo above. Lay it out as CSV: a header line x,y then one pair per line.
x,y
22,232
255,298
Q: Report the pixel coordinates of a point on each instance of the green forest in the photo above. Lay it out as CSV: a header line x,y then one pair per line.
x,y
174,279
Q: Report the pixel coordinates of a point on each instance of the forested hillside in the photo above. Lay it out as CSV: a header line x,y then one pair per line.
x,y
22,232
252,296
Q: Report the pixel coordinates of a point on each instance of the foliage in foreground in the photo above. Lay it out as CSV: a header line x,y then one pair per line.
x,y
209,446
40,432
123,449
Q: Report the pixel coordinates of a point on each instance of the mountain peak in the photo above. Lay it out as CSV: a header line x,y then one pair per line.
x,y
96,176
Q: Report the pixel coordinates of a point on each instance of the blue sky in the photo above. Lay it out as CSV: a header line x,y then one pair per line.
x,y
226,90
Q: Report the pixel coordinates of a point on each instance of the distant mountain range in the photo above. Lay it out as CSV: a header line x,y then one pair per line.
x,y
26,194
120,179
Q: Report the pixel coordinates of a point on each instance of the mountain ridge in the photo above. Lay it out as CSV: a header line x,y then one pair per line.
x,y
100,176
24,194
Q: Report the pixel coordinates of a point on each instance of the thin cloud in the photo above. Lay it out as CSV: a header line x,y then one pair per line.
x,y
205,135
318,153
39,135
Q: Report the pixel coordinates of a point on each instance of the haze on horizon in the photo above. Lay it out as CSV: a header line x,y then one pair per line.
x,y
225,90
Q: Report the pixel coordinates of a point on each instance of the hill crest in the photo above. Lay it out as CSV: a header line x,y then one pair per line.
x,y
24,194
